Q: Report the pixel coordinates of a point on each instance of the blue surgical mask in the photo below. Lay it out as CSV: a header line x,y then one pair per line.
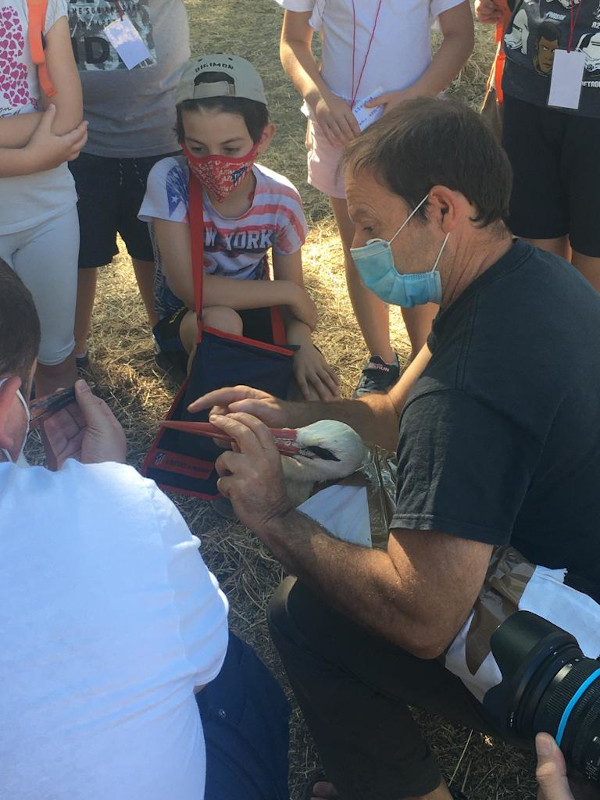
x,y
375,265
21,461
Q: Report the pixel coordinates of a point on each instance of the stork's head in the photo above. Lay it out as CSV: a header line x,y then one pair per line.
x,y
326,450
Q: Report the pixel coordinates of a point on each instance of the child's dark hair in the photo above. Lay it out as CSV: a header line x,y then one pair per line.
x,y
255,114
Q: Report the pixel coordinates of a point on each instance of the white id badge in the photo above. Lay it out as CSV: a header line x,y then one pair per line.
x,y
367,116
567,74
127,42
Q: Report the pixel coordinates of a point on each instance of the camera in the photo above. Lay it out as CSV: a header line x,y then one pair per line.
x,y
547,685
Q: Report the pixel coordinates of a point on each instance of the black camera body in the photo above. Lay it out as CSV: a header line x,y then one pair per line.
x,y
547,685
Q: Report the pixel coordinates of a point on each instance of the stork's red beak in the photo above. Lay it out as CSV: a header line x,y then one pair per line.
x,y
285,438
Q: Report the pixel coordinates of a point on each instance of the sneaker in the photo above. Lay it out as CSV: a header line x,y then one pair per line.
x,y
377,376
83,361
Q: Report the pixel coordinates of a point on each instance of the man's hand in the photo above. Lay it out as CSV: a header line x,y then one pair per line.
x,y
551,772
250,474
335,118
47,150
86,430
271,410
487,12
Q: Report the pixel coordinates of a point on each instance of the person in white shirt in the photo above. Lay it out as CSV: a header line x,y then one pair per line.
x,y
375,54
110,619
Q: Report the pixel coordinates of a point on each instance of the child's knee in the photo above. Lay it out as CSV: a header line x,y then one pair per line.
x,y
223,319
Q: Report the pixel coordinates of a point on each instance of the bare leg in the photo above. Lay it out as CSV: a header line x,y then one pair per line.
x,y
188,333
49,379
371,313
86,293
418,325
589,268
560,246
144,275
219,317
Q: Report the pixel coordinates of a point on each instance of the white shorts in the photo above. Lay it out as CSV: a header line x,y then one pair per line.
x,y
45,258
323,161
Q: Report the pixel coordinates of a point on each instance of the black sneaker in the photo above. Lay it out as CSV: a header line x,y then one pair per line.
x,y
377,376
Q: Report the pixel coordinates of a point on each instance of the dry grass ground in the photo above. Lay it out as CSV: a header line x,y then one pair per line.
x,y
124,373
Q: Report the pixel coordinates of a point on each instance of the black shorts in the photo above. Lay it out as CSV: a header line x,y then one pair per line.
x,y
256,322
555,157
110,192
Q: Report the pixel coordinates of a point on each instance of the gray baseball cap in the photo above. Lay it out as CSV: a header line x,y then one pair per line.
x,y
246,80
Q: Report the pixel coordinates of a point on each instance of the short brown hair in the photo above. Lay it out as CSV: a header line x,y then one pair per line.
x,y
425,142
19,326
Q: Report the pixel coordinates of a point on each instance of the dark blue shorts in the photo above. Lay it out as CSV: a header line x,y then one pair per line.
x,y
555,159
110,192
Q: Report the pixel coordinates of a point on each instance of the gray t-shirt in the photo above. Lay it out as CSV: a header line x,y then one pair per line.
x,y
130,112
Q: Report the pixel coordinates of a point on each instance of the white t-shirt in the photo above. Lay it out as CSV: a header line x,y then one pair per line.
x,y
27,200
400,51
233,247
109,619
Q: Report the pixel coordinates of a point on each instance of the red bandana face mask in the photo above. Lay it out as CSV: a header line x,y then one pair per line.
x,y
220,175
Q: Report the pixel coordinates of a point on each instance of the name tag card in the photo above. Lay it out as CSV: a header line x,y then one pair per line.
x,y
367,116
127,42
567,74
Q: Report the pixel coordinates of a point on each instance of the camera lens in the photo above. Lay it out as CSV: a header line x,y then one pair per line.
x,y
547,685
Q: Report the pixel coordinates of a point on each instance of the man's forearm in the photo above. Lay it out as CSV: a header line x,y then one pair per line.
x,y
373,417
359,582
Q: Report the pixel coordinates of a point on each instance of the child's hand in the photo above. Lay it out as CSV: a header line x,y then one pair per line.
x,y
302,306
487,11
47,150
334,116
315,378
390,99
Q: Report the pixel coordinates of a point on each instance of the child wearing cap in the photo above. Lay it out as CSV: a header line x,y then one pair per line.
x,y
249,211
375,53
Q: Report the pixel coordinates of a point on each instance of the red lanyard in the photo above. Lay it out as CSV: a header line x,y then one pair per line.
x,y
119,9
356,86
574,18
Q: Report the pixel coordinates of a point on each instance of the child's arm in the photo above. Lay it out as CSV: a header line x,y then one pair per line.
x,y
39,141
314,376
456,47
173,239
26,148
62,71
332,113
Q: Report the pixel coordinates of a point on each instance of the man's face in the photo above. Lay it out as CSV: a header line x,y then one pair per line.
x,y
545,55
377,213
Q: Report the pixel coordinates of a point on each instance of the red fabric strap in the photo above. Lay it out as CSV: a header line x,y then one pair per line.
x,y
196,219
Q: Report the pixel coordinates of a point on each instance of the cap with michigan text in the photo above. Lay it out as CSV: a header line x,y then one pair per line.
x,y
245,80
